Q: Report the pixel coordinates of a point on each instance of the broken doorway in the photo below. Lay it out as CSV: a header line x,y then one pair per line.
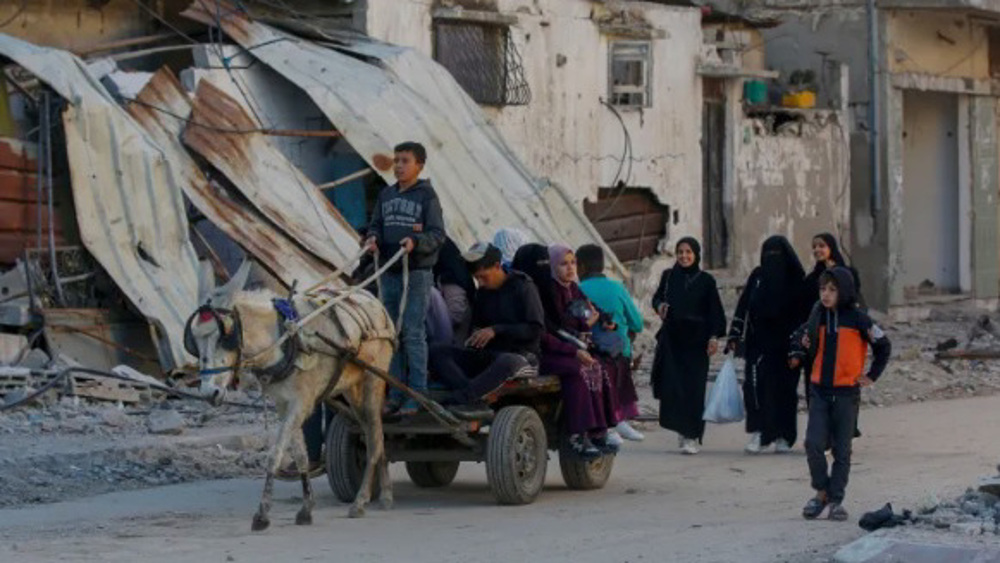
x,y
932,194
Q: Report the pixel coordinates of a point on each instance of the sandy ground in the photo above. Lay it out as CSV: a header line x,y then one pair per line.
x,y
659,506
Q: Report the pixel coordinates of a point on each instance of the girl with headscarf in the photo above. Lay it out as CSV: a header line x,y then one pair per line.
x,y
570,318
769,311
693,318
826,252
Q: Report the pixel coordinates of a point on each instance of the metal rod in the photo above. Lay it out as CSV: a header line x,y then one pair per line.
x,y
349,178
39,176
152,51
300,133
47,132
123,43
874,100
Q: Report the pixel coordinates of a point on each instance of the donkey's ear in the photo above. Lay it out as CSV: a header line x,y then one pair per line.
x,y
206,281
223,296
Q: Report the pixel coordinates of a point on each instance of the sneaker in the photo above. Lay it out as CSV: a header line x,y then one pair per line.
x,y
837,512
814,507
409,407
690,447
583,448
604,445
781,446
680,440
753,446
614,438
629,433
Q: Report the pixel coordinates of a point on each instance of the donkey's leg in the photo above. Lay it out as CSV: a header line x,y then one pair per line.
x,y
373,402
289,423
304,516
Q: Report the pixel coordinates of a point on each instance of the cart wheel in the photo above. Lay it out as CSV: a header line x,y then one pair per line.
x,y
584,475
432,474
516,455
346,455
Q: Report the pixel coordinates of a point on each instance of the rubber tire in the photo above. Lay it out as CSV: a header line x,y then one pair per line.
x,y
345,461
432,474
584,475
512,425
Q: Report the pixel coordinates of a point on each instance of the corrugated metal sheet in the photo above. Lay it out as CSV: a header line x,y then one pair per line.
x,y
265,176
406,96
237,218
127,196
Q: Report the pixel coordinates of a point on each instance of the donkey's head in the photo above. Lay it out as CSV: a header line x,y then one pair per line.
x,y
214,334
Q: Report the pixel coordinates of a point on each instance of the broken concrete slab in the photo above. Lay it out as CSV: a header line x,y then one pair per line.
x,y
165,422
990,485
877,548
12,347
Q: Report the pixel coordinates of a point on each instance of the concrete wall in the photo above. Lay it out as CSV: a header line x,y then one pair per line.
x,y
802,36
75,24
565,133
936,43
795,183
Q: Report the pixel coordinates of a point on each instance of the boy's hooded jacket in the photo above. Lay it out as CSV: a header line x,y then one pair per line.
x,y
839,339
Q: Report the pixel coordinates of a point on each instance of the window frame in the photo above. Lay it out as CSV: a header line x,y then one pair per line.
x,y
616,90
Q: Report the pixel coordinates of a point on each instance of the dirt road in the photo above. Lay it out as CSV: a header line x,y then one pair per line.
x,y
659,506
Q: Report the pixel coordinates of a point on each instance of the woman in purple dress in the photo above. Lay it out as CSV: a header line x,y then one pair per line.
x,y
588,411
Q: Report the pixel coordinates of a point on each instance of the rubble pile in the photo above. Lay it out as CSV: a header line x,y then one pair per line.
x,y
975,513
75,448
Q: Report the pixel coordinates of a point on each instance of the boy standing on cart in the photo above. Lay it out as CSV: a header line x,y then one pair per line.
x,y
408,215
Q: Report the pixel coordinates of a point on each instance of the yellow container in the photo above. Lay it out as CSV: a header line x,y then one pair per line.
x,y
805,99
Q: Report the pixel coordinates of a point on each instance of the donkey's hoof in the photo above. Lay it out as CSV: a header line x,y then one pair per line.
x,y
304,518
356,512
385,503
260,523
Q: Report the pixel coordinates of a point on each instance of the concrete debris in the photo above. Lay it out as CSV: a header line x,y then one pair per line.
x,y
972,514
12,347
990,485
77,448
35,359
165,422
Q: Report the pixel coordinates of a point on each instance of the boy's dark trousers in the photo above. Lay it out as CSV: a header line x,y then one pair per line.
x,y
832,419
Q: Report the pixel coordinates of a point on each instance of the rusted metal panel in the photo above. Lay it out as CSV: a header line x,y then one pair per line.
x,y
129,206
379,95
221,131
273,249
19,202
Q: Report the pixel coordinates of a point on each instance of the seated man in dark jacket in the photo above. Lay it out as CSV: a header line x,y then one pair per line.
x,y
507,323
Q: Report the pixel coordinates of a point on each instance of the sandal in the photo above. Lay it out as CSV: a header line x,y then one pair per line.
x,y
291,472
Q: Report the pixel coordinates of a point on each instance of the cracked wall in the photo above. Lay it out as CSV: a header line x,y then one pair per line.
x,y
565,133
793,182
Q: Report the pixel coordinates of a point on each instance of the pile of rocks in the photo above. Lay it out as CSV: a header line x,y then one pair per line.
x,y
977,512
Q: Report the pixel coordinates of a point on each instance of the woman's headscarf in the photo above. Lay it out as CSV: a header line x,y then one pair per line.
x,y
533,260
835,254
781,278
681,279
557,253
509,240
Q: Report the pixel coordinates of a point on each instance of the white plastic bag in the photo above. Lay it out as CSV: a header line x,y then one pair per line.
x,y
725,401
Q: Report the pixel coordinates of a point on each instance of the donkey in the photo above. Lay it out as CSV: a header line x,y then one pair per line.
x,y
316,364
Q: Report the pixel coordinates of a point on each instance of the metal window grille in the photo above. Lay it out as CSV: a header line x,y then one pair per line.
x,y
484,60
630,72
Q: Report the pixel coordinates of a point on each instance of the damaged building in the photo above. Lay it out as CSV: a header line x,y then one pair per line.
x,y
142,139
924,225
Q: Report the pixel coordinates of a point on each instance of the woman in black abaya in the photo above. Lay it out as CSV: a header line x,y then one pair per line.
x,y
769,310
693,318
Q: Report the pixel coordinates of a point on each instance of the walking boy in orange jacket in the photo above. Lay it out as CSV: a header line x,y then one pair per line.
x,y
836,338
